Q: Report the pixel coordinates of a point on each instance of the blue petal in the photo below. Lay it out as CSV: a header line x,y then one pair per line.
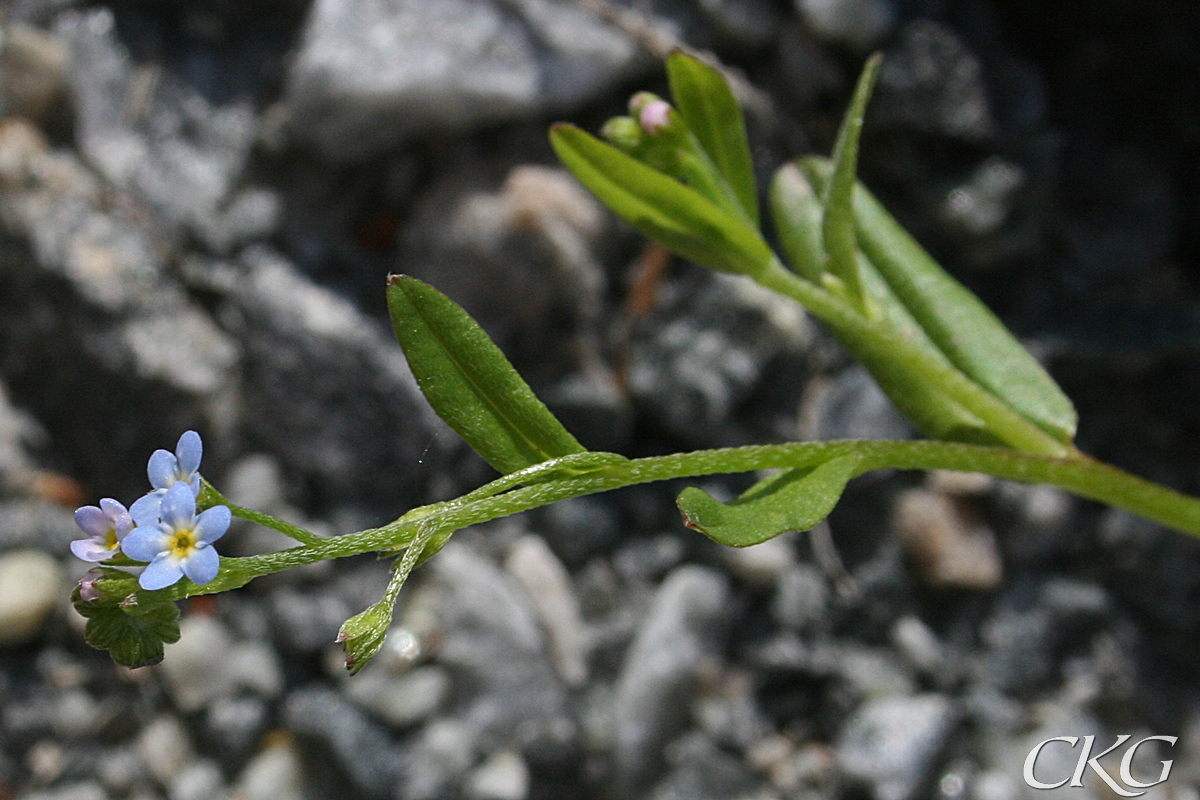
x,y
212,524
92,521
202,565
145,509
90,550
161,469
178,506
121,521
188,452
145,543
163,571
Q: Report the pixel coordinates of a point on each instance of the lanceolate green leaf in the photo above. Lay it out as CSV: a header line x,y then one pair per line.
x,y
469,382
793,500
662,208
961,326
713,115
798,213
838,224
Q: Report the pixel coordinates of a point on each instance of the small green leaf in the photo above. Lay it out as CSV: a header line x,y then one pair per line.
x,y
713,115
838,223
797,213
134,631
954,319
793,500
469,382
660,207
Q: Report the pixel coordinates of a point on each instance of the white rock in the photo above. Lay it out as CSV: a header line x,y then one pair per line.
x,y
164,748
540,572
273,774
31,584
503,776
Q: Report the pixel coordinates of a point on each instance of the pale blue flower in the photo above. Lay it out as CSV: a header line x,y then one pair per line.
x,y
180,543
106,527
165,470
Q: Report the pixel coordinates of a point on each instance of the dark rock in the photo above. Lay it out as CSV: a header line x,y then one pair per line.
x,y
850,405
701,769
932,83
328,392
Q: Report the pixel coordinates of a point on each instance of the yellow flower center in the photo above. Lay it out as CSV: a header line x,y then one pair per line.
x,y
183,542
110,539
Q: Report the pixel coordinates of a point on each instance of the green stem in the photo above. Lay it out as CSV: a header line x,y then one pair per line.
x,y
1075,472
211,497
856,331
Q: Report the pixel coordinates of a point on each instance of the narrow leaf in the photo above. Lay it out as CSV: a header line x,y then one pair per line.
x,y
838,223
713,115
794,500
469,382
662,208
961,326
797,213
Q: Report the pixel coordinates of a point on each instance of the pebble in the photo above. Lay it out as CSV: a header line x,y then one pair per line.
x,y
276,773
165,748
199,780
860,24
546,580
83,790
206,664
801,598
400,700
682,625
892,743
31,586
951,547
369,74
361,748
503,775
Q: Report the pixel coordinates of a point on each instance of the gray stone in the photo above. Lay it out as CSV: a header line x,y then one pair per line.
x,y
891,744
683,625
400,700
233,726
861,24
328,391
149,133
850,405
199,780
361,749
37,524
164,748
31,586
493,641
701,769
275,773
82,790
206,664
370,73
706,348
801,598
440,760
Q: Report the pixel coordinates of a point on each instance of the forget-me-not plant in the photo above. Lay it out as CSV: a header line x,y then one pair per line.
x,y
682,174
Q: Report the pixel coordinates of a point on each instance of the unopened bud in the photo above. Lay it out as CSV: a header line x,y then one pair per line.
x,y
622,132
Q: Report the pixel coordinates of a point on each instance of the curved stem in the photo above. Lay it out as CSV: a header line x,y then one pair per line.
x,y
1076,473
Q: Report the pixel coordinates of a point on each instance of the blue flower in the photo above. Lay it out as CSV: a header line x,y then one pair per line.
x,y
181,542
106,525
165,470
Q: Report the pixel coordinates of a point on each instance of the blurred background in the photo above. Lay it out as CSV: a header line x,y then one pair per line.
x,y
199,203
